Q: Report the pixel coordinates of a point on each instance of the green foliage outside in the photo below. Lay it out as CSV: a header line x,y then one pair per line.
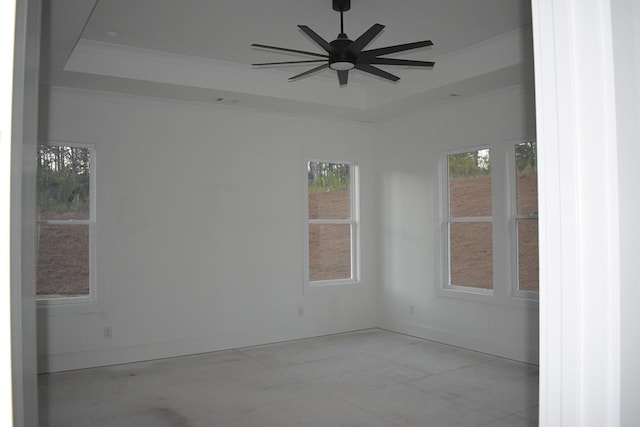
x,y
63,179
477,163
324,177
526,157
472,163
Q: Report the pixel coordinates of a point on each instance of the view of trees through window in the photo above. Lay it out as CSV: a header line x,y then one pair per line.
x,y
63,182
64,220
330,221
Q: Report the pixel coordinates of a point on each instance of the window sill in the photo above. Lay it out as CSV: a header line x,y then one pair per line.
x,y
476,294
488,296
84,304
331,285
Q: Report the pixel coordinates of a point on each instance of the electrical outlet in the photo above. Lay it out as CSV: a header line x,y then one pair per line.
x,y
411,309
107,332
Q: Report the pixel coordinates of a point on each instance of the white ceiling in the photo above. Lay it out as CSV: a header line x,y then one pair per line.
x,y
200,50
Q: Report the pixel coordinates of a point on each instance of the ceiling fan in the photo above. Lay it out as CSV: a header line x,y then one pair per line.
x,y
344,54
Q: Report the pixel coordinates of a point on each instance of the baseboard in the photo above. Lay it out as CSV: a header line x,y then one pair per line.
x,y
500,349
51,363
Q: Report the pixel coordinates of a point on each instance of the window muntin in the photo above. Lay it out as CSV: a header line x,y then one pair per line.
x,y
331,223
526,218
65,222
468,220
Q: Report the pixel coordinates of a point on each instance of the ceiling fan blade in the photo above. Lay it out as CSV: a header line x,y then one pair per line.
x,y
306,73
393,61
366,37
289,62
396,48
343,77
316,38
377,72
284,49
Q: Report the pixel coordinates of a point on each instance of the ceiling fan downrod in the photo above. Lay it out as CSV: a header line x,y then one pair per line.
x,y
341,6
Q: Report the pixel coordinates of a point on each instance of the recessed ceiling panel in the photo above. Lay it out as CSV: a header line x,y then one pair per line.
x,y
224,29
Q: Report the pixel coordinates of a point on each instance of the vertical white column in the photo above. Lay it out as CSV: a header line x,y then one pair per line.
x,y
579,213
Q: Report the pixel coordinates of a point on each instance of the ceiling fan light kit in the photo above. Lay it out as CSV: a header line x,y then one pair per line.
x,y
343,54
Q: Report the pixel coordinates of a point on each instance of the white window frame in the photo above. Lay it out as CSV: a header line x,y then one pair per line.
x,y
91,222
354,222
514,218
444,284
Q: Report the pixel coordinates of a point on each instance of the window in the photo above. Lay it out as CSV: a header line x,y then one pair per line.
x,y
525,217
489,222
65,222
332,225
468,221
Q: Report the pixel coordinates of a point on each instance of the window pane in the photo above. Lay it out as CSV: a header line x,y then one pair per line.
x,y
470,184
527,182
528,273
471,259
329,251
63,260
63,182
329,194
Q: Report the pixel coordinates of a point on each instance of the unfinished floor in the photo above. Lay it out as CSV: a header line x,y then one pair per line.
x,y
366,378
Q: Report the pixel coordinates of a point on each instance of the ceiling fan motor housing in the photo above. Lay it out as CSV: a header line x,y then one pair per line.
x,y
341,58
341,5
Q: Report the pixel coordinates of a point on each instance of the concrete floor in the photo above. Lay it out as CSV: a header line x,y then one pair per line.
x,y
367,378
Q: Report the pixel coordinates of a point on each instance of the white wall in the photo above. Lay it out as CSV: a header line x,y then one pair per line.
x,y
409,151
200,249
199,230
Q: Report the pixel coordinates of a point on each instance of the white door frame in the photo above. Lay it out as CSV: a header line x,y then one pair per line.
x,y
579,213
19,80
7,31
